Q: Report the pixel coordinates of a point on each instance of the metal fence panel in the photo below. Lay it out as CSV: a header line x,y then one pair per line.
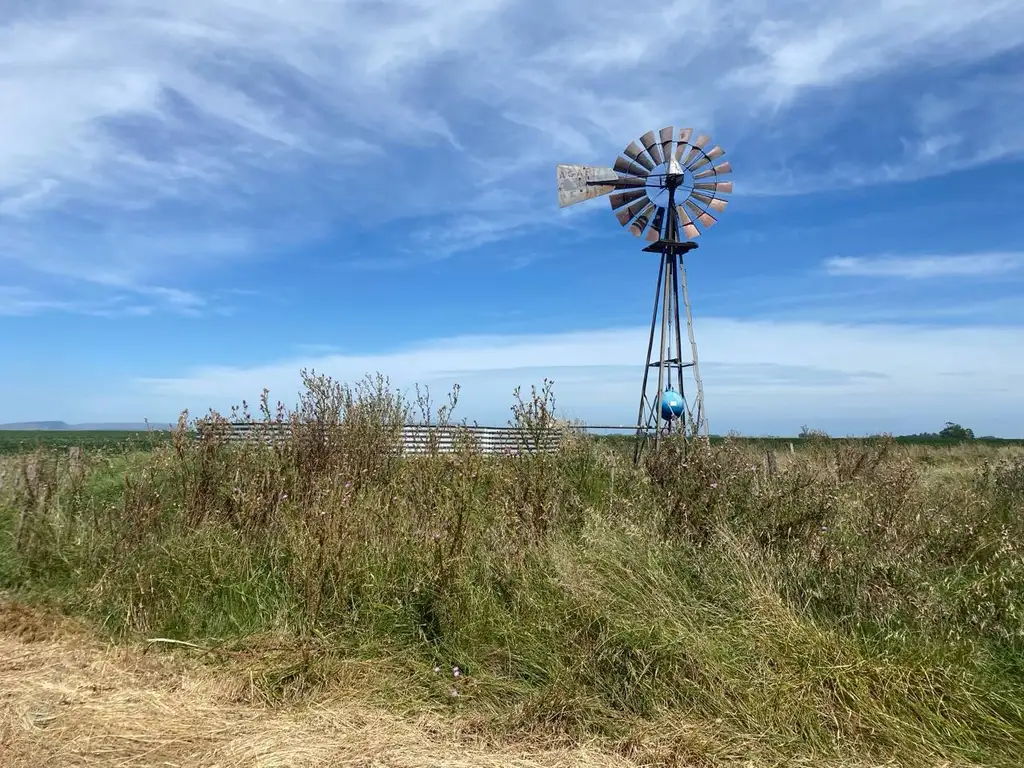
x,y
418,439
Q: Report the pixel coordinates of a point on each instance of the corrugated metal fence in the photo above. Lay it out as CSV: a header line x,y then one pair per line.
x,y
421,439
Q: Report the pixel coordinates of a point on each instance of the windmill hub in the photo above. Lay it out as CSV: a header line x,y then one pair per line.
x,y
664,180
661,187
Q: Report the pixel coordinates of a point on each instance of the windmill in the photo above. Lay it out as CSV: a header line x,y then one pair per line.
x,y
661,187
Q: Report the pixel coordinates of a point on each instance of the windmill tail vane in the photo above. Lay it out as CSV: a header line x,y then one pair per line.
x,y
666,187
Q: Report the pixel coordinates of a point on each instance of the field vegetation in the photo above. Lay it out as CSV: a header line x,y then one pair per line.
x,y
16,441
846,603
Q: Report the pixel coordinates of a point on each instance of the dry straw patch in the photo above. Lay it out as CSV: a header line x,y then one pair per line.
x,y
69,701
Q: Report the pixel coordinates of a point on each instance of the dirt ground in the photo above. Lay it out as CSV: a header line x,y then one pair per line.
x,y
68,700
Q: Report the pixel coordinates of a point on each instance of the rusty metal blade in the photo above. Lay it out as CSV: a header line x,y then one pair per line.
x,y
654,233
686,223
635,152
710,157
700,162
703,217
642,220
715,203
620,199
624,215
629,167
666,136
650,143
696,149
574,183
718,170
718,187
683,140
691,156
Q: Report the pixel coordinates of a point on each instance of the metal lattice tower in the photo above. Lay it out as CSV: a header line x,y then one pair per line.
x,y
660,188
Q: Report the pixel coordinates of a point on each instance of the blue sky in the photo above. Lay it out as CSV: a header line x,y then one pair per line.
x,y
199,198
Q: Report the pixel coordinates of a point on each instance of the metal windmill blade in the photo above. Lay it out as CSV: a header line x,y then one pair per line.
x,y
635,152
714,203
643,219
629,167
654,233
667,142
696,149
652,146
705,159
718,187
707,190
683,142
686,224
718,170
620,199
700,215
626,214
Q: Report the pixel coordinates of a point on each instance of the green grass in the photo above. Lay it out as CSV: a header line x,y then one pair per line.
x,y
13,442
799,443
24,441
863,603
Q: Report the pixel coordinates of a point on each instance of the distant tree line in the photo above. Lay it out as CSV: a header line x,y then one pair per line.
x,y
952,432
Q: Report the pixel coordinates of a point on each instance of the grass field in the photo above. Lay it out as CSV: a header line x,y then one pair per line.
x,y
851,603
14,441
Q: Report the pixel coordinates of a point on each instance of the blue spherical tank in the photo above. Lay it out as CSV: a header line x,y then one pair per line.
x,y
671,405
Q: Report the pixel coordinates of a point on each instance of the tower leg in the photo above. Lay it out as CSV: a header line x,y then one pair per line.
x,y
642,419
651,424
665,347
680,365
698,419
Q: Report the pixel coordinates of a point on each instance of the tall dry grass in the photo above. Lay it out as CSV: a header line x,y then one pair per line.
x,y
851,602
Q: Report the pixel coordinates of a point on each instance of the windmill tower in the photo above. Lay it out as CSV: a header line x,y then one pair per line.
x,y
661,188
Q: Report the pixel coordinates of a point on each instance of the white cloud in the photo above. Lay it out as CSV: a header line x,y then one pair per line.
x,y
828,44
758,375
18,301
170,115
924,267
113,299
125,255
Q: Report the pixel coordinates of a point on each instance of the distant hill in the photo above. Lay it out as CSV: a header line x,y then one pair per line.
x,y
63,426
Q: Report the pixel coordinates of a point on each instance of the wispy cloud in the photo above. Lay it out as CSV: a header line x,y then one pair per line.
x,y
807,47
18,301
221,113
113,300
926,267
148,257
